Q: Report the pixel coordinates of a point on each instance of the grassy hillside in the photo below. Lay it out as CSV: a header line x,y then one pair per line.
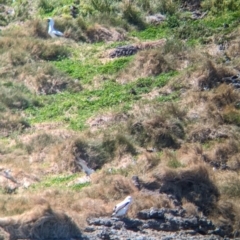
x,y
163,113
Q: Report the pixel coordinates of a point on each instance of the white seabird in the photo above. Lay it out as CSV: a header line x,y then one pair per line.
x,y
121,208
52,31
84,166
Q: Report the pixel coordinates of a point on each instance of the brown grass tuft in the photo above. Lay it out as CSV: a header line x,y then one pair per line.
x,y
45,79
98,33
224,95
220,153
143,201
42,222
158,132
11,123
146,63
190,208
193,184
118,187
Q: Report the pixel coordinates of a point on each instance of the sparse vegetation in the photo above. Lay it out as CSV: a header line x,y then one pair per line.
x,y
169,113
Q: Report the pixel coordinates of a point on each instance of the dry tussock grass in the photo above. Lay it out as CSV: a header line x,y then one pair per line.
x,y
190,154
45,79
41,222
224,95
146,63
212,74
234,162
143,201
204,73
194,184
98,33
106,119
11,123
200,133
190,208
228,184
118,187
233,46
24,54
158,132
227,215
220,153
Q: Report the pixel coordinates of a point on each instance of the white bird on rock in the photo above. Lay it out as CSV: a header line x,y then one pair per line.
x,y
121,208
52,31
84,167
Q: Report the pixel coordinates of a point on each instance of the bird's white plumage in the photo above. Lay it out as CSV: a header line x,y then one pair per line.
x,y
52,31
84,167
121,208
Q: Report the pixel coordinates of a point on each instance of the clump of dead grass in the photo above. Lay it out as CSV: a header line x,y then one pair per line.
x,y
220,153
98,33
11,123
212,74
41,222
46,79
193,184
190,208
118,187
158,132
224,95
143,201
146,63
227,216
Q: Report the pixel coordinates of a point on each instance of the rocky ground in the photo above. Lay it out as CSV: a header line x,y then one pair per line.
x,y
154,224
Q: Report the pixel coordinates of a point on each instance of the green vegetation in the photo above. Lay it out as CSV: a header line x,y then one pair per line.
x,y
86,72
75,109
165,107
59,181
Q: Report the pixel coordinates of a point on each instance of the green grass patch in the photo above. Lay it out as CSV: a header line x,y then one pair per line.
x,y
86,71
59,181
152,33
218,22
75,108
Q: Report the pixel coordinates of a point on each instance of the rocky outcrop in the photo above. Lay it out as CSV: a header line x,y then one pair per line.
x,y
154,224
233,80
124,51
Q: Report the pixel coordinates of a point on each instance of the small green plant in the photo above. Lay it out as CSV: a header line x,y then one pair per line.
x,y
54,181
168,7
174,163
219,6
45,6
133,16
196,30
173,21
102,5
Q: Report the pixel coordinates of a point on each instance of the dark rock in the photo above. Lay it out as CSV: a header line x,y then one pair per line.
x,y
133,224
89,229
74,11
233,80
154,224
100,222
127,50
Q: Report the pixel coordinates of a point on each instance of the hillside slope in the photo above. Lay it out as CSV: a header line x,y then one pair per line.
x,y
146,92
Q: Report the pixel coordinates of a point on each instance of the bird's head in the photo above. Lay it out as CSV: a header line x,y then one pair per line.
x,y
128,198
50,20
